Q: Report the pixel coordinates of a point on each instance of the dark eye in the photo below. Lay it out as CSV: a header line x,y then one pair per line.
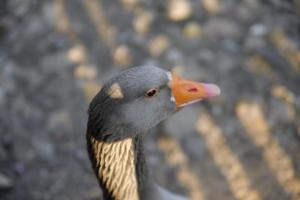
x,y
152,92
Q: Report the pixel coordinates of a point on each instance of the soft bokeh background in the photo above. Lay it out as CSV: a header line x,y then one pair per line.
x,y
243,145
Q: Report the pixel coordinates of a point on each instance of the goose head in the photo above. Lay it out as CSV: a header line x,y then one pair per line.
x,y
138,99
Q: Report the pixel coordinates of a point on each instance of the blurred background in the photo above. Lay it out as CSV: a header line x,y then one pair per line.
x,y
243,145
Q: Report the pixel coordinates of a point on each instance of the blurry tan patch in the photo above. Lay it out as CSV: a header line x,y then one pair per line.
x,y
178,70
287,48
252,118
122,56
259,65
142,22
62,21
211,6
158,45
226,160
85,72
77,54
130,4
192,30
179,10
106,31
90,89
94,193
115,91
288,98
283,93
177,159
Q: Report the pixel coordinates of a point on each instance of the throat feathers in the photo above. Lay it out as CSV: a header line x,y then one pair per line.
x,y
114,165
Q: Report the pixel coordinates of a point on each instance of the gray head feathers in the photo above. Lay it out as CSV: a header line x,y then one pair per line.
x,y
121,109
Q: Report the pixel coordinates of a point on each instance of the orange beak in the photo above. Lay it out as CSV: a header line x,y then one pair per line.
x,y
187,92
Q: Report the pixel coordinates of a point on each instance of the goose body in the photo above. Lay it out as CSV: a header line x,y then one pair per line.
x,y
120,114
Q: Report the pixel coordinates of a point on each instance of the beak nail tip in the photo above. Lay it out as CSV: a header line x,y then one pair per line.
x,y
212,89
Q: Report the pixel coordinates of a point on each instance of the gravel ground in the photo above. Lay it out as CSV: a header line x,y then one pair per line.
x,y
245,144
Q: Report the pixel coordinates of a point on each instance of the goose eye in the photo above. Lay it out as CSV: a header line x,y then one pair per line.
x,y
152,92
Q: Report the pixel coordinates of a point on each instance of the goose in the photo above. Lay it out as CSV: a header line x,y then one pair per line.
x,y
119,116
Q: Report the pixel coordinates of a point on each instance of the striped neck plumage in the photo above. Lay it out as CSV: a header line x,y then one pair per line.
x,y
116,166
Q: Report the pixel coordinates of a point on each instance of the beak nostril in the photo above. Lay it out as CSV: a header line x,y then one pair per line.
x,y
193,89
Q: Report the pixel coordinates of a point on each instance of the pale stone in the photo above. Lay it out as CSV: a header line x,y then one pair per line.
x,y
192,30
211,6
282,92
122,56
85,72
94,193
178,70
5,182
142,22
179,10
158,45
90,89
130,4
77,54
258,29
